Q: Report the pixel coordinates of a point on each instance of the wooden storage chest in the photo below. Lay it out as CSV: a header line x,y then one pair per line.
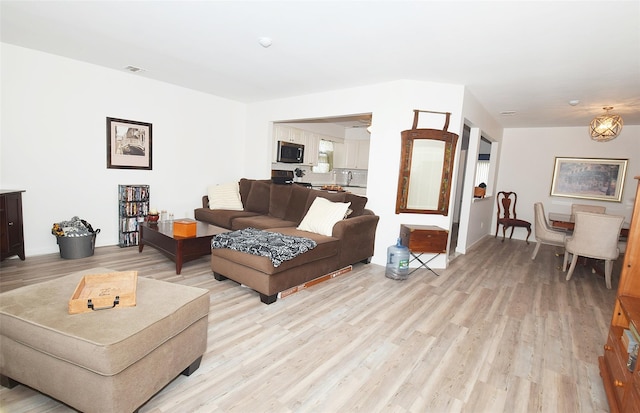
x,y
424,238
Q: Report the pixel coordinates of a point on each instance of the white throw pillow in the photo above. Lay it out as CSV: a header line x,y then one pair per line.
x,y
323,215
225,196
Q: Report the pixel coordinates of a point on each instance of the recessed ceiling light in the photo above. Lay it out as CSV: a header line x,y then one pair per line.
x,y
574,102
508,112
134,69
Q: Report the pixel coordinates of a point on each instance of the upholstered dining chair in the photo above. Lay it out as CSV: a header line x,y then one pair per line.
x,y
543,232
507,214
596,209
594,236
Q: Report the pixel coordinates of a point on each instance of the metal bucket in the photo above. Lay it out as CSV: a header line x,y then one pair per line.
x,y
77,247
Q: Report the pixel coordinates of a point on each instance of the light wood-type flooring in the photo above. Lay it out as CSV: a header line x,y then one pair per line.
x,y
495,332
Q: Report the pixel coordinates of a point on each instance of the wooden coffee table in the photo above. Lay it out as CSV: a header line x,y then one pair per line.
x,y
178,249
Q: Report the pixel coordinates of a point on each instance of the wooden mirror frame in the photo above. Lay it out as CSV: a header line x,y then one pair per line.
x,y
404,177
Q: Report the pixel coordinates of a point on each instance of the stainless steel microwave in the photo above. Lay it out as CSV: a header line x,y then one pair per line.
x,y
289,152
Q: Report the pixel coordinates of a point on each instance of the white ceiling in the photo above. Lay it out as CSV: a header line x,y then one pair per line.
x,y
529,57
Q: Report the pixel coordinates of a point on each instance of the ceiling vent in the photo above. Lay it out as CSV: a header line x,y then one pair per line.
x,y
134,69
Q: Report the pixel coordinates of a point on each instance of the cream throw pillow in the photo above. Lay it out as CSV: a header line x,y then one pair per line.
x,y
225,196
323,215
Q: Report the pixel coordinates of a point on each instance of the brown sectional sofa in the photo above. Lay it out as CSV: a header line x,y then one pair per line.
x,y
281,208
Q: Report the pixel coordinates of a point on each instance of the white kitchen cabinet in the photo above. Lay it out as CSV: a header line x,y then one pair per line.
x,y
352,154
296,136
280,133
288,134
362,161
339,155
311,148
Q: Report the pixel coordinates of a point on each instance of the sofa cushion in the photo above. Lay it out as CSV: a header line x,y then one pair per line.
x,y
323,215
245,187
279,200
225,196
357,204
258,198
220,217
297,206
259,222
331,196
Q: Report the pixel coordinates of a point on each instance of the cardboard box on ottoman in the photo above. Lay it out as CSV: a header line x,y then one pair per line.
x,y
110,360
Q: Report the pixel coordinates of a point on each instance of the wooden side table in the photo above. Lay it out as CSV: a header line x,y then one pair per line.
x,y
424,239
11,227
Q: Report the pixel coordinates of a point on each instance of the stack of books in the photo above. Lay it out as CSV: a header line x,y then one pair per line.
x,y
630,338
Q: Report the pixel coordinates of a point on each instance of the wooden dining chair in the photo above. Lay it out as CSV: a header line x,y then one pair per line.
x,y
594,236
507,216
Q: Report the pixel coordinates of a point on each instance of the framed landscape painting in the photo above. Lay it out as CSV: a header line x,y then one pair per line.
x,y
589,178
128,144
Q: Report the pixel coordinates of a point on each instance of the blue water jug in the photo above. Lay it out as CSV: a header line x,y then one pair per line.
x,y
397,262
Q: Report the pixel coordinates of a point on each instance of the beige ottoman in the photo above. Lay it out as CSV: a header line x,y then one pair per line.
x,y
103,361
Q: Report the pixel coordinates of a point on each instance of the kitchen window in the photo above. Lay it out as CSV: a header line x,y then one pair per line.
x,y
325,157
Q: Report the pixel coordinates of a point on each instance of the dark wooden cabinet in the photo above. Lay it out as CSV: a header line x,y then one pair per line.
x,y
11,231
622,384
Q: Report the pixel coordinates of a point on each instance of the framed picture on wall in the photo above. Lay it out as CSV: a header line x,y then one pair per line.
x,y
128,144
589,178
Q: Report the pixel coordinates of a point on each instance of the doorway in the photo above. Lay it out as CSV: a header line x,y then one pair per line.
x,y
455,228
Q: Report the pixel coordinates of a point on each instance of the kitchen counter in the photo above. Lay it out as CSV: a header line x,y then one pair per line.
x,y
314,184
358,190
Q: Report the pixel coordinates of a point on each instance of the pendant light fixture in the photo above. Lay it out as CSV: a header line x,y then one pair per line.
x,y
605,127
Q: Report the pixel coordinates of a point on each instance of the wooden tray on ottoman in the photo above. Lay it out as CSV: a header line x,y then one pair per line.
x,y
103,291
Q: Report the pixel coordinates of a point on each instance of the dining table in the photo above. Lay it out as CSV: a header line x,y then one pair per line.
x,y
567,223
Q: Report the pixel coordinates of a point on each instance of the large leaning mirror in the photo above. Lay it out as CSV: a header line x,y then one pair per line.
x,y
426,167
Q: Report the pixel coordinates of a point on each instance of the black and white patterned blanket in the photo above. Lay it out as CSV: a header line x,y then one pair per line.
x,y
277,247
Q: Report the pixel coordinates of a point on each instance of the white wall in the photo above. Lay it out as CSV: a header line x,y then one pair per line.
x,y
476,214
391,105
53,145
53,142
527,162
